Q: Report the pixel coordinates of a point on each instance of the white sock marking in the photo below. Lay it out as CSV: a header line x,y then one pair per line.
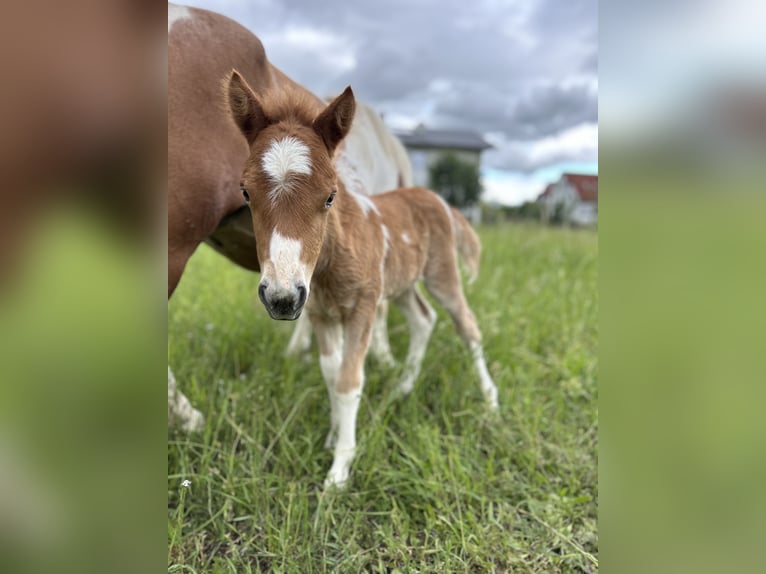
x,y
180,410
330,365
487,386
347,406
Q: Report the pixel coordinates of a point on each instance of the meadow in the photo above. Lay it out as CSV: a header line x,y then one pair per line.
x,y
438,484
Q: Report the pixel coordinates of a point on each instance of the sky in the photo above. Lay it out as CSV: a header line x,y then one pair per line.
x,y
522,73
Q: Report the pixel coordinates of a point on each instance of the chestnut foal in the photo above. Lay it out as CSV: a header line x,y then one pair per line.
x,y
347,251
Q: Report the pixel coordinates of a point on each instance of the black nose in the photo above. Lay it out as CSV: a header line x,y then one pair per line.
x,y
284,305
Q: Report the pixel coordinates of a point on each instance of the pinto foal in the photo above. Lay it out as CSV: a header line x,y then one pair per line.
x,y
350,252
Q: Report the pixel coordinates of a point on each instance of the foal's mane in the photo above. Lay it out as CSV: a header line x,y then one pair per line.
x,y
286,103
291,105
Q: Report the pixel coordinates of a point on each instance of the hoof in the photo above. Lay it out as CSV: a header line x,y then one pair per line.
x,y
405,388
336,482
195,422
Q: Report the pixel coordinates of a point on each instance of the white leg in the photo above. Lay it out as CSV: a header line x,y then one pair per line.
x,y
347,391
330,359
421,319
488,387
300,341
180,410
380,347
449,293
330,343
347,406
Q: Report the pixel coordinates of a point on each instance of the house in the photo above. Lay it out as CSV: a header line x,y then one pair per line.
x,y
426,146
573,199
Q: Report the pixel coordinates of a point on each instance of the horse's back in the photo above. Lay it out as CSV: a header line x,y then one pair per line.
x,y
206,152
203,48
419,204
380,159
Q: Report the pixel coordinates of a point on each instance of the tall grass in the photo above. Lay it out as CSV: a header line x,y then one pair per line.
x,y
438,485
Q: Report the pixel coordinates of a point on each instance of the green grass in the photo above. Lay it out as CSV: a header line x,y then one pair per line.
x,y
438,485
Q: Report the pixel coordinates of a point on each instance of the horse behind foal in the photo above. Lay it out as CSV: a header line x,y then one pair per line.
x,y
339,254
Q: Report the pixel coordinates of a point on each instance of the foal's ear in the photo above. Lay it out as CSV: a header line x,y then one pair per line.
x,y
335,120
245,108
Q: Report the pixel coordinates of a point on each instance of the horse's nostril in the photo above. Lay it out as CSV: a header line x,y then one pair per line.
x,y
262,293
301,296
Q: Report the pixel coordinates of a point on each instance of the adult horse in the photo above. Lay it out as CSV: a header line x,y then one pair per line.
x,y
207,152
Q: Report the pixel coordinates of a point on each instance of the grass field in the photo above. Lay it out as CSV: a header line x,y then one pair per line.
x,y
438,485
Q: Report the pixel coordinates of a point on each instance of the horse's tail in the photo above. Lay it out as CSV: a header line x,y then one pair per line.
x,y
468,244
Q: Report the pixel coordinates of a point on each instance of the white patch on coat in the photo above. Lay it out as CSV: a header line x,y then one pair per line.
x,y
406,237
421,327
354,183
330,364
176,13
386,241
386,249
365,203
286,156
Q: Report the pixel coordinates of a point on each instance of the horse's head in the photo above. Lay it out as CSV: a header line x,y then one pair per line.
x,y
290,182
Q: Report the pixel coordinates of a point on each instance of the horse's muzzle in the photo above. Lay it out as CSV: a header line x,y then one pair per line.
x,y
283,305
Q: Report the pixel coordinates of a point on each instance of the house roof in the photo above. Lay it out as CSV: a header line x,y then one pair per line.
x,y
455,139
585,185
546,192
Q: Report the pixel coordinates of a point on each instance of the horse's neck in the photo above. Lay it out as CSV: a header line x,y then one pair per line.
x,y
350,221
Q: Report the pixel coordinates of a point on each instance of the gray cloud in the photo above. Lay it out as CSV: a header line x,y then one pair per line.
x,y
524,68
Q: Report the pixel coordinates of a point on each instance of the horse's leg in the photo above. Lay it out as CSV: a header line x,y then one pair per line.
x,y
380,347
300,341
347,391
421,319
180,411
330,343
442,280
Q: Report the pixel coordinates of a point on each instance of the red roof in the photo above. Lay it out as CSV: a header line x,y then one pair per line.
x,y
586,185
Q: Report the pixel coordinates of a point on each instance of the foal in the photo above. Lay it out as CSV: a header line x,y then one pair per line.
x,y
348,251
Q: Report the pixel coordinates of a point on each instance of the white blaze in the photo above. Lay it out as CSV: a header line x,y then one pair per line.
x,y
285,156
284,269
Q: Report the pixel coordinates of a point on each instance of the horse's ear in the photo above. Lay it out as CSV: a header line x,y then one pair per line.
x,y
335,120
245,108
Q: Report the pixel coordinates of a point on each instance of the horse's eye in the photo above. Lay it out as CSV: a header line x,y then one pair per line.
x,y
329,201
246,195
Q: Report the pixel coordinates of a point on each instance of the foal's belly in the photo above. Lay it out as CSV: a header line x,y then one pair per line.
x,y
234,239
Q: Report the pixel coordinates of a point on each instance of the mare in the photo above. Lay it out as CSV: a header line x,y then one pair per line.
x,y
206,155
338,254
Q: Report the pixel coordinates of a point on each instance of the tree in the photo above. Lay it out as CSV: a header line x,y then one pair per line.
x,y
456,180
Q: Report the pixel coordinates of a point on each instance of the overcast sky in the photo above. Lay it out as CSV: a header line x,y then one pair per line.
x,y
522,73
